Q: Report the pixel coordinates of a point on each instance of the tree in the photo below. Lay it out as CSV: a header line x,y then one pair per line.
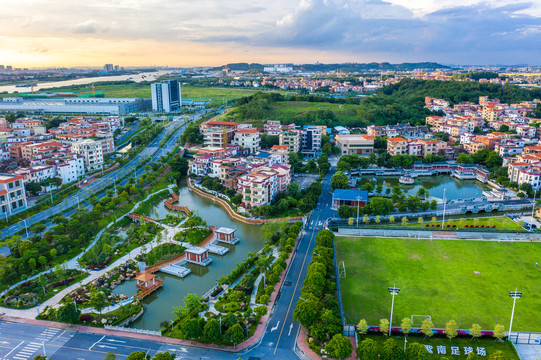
x,y
98,301
366,219
378,220
472,356
434,219
391,219
33,187
426,327
110,356
32,264
499,331
68,313
235,334
307,311
451,329
384,326
362,327
38,228
211,330
475,331
42,260
339,181
498,355
367,350
406,325
53,253
416,351
192,302
391,350
164,356
339,347
191,329
345,211
404,221
464,159
420,220
138,355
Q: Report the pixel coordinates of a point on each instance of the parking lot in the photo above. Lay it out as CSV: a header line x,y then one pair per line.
x,y
304,180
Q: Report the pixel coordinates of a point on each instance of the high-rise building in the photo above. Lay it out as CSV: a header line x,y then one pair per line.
x,y
166,96
108,67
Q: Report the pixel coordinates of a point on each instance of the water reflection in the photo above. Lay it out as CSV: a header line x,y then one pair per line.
x,y
160,305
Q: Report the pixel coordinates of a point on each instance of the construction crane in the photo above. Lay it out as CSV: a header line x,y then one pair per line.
x,y
224,137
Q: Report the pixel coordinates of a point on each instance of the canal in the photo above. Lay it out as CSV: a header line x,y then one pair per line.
x,y
159,305
455,188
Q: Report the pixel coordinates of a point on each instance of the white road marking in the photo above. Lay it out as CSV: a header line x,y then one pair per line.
x,y
107,347
90,348
275,327
290,328
113,340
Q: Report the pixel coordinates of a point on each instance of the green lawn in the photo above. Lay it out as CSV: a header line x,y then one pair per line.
x,y
501,222
288,111
142,90
488,344
437,278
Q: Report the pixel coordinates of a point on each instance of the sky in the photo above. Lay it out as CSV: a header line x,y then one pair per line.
x,y
42,33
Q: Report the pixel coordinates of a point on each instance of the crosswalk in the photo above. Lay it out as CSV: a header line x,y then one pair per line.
x,y
30,349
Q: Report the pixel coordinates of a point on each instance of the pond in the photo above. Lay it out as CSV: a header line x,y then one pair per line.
x,y
159,305
435,185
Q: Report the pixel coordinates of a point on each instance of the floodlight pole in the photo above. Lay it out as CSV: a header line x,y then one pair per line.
x,y
394,291
515,295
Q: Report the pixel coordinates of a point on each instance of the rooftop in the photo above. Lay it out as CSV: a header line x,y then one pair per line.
x,y
351,194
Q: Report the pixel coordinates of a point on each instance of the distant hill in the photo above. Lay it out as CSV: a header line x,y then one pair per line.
x,y
349,67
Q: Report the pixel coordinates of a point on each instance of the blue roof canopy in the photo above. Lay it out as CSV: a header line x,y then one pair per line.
x,y
352,195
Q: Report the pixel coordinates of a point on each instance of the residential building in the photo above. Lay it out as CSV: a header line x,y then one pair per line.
x,y
397,146
359,144
218,133
92,153
292,139
12,195
272,127
249,139
166,96
311,140
526,131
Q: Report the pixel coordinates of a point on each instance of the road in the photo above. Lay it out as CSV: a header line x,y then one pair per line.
x,y
24,341
119,176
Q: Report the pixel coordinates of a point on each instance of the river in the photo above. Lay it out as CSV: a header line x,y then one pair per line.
x,y
146,76
159,305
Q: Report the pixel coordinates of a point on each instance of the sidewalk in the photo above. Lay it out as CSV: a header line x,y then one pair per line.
x,y
73,264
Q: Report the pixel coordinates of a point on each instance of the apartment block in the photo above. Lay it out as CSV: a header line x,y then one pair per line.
x,y
272,127
249,139
311,140
397,146
92,154
12,195
218,133
292,139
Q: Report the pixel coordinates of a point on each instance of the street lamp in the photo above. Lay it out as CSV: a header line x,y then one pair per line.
x,y
515,295
444,203
394,291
